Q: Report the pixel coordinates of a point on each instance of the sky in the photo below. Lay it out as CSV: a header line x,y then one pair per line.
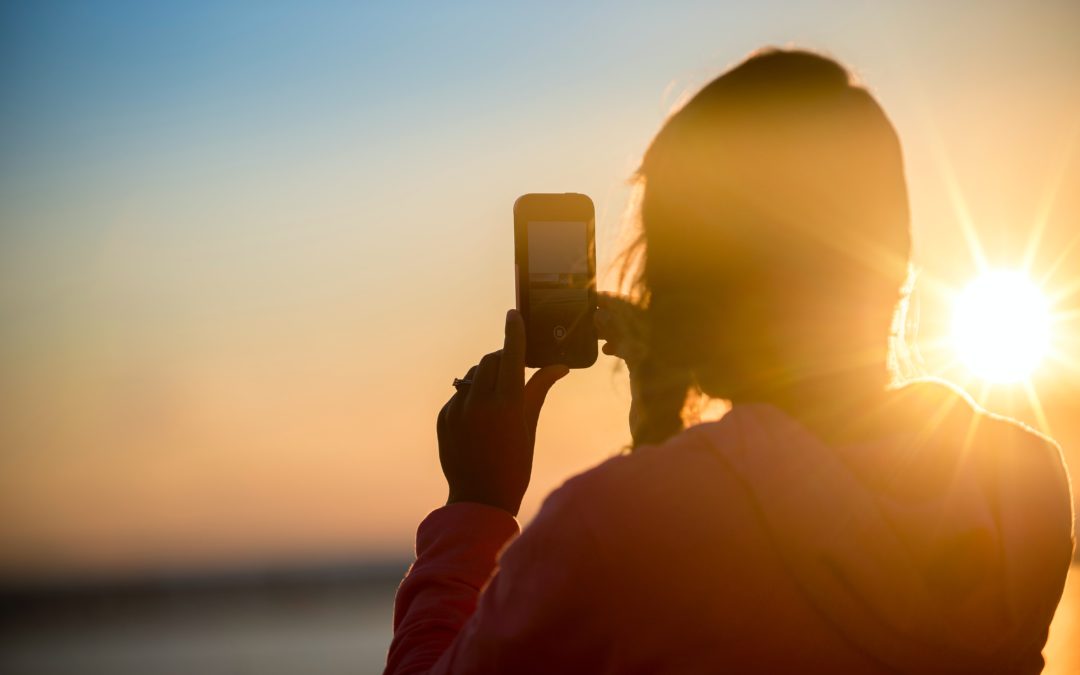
x,y
246,246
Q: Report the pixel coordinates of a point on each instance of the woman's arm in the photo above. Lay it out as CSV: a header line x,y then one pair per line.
x,y
456,549
486,434
543,608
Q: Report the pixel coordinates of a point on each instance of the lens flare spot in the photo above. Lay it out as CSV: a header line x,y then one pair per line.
x,y
1001,326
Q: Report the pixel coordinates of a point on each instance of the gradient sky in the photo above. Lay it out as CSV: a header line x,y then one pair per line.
x,y
246,246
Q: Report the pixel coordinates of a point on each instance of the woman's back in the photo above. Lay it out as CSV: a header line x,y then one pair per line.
x,y
749,545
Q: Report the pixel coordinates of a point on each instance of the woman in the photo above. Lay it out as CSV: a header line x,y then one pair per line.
x,y
831,521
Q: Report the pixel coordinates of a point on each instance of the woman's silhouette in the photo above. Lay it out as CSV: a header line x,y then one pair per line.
x,y
831,521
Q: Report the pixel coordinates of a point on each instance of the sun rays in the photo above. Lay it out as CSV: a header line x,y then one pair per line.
x,y
1001,326
1007,330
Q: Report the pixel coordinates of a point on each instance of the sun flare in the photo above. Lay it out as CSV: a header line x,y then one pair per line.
x,y
1001,326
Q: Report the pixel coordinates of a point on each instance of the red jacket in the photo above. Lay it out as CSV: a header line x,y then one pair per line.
x,y
747,544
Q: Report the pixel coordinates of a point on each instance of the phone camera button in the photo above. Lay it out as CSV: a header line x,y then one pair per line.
x,y
559,332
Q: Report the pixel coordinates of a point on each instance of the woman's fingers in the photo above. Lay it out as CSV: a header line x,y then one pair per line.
x,y
620,323
456,403
606,330
487,372
536,391
602,321
503,373
441,421
512,364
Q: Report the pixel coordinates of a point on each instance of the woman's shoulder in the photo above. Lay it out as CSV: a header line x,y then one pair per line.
x,y
683,477
661,523
945,415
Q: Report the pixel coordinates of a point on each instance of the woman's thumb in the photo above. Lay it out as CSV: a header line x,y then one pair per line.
x,y
536,390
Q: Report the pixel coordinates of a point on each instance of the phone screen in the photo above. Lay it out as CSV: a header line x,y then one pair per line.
x,y
555,277
558,275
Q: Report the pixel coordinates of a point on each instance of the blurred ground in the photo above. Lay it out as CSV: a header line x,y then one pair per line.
x,y
324,622
323,625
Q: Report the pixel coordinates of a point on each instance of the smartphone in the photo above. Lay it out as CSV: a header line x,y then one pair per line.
x,y
555,261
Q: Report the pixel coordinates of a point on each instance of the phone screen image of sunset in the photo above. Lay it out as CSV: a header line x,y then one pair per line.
x,y
558,277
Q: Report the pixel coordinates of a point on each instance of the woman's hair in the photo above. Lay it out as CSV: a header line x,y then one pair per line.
x,y
774,239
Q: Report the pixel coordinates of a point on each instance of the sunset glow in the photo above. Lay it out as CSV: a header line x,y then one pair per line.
x,y
246,247
1001,326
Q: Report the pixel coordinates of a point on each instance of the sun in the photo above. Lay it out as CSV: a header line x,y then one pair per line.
x,y
1001,326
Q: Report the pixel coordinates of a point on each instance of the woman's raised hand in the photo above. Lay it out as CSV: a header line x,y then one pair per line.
x,y
487,429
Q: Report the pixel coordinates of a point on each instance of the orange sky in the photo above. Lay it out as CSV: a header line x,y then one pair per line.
x,y
243,253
